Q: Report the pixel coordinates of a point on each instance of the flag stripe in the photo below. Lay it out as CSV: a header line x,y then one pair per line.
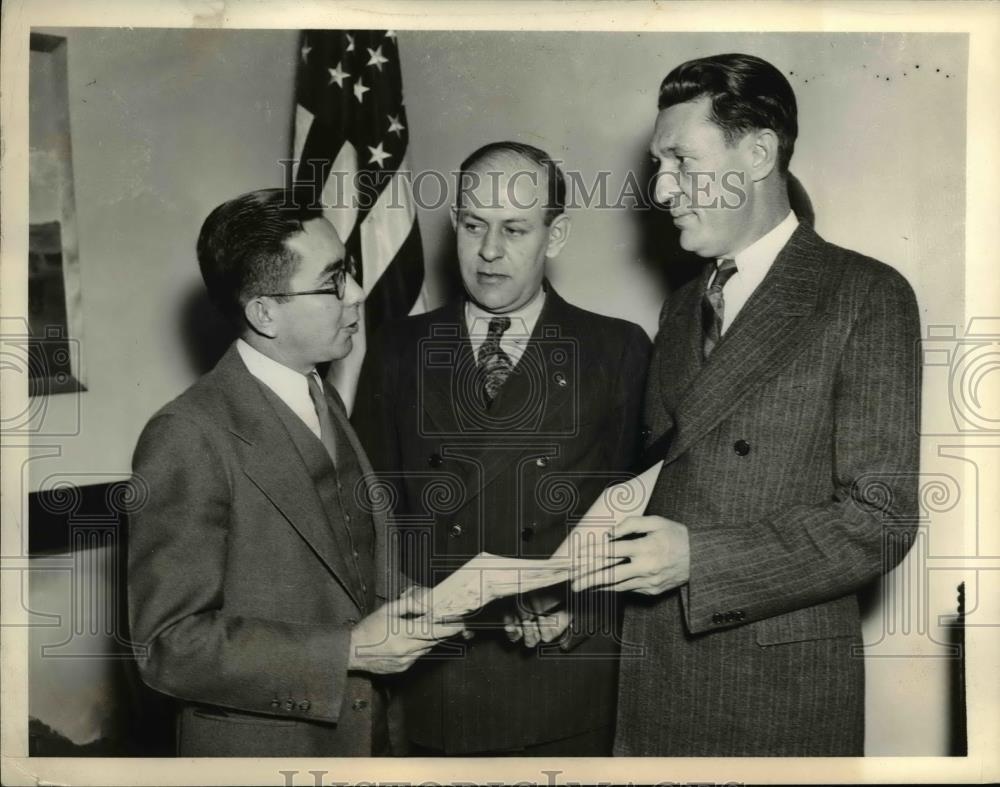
x,y
385,228
350,145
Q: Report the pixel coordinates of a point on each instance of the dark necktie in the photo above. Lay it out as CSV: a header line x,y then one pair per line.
x,y
494,362
325,418
713,306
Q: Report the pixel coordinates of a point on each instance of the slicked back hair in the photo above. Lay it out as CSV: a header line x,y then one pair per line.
x,y
555,203
746,94
241,246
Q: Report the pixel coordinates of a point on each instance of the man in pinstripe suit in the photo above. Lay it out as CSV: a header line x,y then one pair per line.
x,y
782,398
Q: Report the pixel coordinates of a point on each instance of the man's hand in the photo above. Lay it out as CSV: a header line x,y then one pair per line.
x,y
395,635
657,561
537,618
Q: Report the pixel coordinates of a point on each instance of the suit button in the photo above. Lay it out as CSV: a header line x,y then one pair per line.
x,y
359,704
435,460
455,531
542,461
305,705
289,705
645,434
347,517
275,704
740,615
528,532
741,447
364,588
717,617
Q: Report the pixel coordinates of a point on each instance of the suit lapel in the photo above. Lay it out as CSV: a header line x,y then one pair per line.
x,y
275,466
447,379
765,336
681,348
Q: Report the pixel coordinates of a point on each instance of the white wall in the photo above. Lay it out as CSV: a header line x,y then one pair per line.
x,y
166,124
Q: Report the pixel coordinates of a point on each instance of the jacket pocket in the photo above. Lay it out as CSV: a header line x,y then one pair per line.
x,y
838,618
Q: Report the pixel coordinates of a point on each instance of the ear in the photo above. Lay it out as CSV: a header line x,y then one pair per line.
x,y
261,317
558,235
454,217
763,153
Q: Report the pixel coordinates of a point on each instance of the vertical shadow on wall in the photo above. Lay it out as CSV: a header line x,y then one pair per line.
x,y
205,333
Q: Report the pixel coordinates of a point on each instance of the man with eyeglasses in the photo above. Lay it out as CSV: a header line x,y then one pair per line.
x,y
258,591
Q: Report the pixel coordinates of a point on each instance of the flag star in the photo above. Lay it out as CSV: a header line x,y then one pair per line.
x,y
338,75
306,49
350,42
360,90
377,58
378,155
390,33
395,126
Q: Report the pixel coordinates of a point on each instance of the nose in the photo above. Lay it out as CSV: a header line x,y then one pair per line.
x,y
491,248
667,188
353,294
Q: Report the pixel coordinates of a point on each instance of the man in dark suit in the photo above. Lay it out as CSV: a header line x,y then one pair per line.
x,y
497,419
782,399
257,575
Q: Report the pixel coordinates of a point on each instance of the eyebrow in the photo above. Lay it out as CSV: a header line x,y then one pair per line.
x,y
331,267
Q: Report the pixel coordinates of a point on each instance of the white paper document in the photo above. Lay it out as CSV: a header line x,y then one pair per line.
x,y
488,577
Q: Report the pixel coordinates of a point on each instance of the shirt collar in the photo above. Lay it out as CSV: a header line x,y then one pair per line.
x,y
522,321
760,255
290,386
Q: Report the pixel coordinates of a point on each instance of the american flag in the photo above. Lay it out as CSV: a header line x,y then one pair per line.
x,y
350,148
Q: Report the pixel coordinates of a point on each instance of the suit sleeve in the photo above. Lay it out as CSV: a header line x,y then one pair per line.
x,y
809,554
188,644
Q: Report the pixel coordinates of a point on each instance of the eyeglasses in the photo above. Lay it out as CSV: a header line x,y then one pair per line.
x,y
339,283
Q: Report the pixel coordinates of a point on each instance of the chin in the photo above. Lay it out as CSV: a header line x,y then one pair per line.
x,y
342,349
692,245
493,301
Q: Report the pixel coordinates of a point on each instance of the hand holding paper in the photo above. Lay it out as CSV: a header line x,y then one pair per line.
x,y
653,562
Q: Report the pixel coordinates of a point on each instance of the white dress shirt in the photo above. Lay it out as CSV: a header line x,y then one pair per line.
x,y
288,385
515,339
752,265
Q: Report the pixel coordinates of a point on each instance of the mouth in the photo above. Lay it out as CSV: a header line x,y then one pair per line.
x,y
682,217
351,328
491,278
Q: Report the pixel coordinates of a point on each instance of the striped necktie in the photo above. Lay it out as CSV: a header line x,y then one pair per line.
x,y
322,406
494,362
713,306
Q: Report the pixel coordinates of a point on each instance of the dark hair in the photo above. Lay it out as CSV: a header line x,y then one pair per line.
x,y
556,192
747,93
241,247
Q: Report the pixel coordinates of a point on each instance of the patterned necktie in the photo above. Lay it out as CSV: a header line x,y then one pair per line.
x,y
494,362
323,411
713,307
